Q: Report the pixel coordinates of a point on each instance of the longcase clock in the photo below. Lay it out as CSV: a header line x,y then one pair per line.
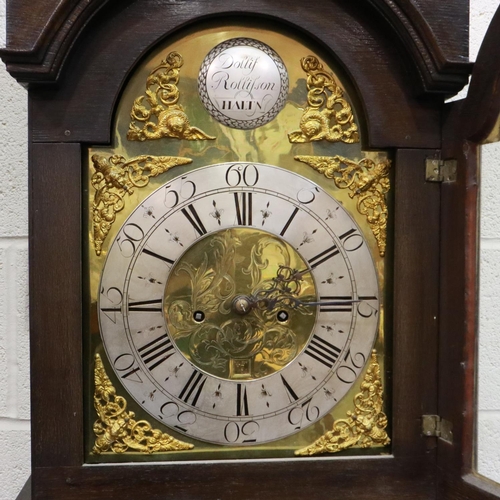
x,y
251,207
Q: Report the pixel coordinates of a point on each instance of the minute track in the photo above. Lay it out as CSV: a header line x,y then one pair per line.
x,y
208,401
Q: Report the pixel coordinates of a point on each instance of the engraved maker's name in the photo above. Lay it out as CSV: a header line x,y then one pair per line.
x,y
246,63
240,74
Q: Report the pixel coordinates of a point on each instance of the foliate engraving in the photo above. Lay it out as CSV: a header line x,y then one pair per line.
x,y
328,115
366,180
240,337
364,427
163,116
116,176
116,429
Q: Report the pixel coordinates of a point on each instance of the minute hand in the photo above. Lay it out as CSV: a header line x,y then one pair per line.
x,y
326,302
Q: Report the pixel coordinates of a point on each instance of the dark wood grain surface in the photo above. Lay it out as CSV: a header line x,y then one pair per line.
x,y
440,53
56,304
468,487
480,117
415,308
40,34
456,357
368,479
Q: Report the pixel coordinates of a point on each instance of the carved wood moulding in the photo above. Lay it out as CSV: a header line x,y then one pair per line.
x,y
480,115
440,54
40,36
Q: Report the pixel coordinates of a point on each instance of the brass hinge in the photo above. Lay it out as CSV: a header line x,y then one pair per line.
x,y
435,426
437,170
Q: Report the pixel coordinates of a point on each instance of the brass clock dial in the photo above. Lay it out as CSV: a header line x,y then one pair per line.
x,y
244,297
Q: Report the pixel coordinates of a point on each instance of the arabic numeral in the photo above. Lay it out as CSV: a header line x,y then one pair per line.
x,y
234,431
365,309
237,173
306,196
169,409
131,235
305,410
184,418
358,360
173,197
127,366
348,374
115,296
351,240
188,189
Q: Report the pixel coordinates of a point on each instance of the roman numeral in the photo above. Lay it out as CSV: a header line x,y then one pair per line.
x,y
156,352
289,221
356,240
194,219
323,256
289,391
111,309
322,351
193,388
157,256
127,363
139,306
243,202
131,372
346,235
241,400
338,303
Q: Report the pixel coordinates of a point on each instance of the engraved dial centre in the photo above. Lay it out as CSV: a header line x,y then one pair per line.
x,y
242,280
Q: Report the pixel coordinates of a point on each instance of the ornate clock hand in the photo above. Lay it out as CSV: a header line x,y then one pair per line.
x,y
293,303
283,288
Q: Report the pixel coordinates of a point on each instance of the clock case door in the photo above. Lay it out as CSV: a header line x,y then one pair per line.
x,y
467,124
75,57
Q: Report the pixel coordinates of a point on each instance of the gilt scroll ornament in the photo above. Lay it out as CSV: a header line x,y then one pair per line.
x,y
163,116
328,115
363,427
366,180
116,176
116,429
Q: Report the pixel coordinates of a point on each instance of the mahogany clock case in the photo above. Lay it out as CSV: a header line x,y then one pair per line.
x,y
401,69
